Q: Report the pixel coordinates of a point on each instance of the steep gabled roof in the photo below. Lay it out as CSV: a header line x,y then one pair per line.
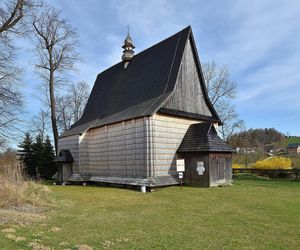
x,y
202,137
139,89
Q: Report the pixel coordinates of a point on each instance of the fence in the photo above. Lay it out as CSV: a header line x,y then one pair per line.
x,y
270,172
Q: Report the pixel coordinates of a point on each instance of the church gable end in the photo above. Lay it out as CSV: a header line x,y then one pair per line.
x,y
188,95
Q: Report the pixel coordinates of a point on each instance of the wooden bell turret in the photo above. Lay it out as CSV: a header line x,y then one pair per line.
x,y
128,52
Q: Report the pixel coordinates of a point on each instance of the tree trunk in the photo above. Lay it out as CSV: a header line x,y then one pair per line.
x,y
53,110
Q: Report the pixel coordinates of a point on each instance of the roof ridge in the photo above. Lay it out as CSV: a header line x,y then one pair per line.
x,y
169,75
188,27
120,62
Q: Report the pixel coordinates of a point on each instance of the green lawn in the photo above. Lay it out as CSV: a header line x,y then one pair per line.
x,y
251,214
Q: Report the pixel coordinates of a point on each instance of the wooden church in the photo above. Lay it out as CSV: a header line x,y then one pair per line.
x,y
144,114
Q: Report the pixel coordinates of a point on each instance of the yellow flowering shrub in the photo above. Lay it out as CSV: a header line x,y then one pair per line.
x,y
274,163
235,165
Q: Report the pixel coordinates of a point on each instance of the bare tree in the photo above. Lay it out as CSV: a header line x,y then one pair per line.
x,y
14,15
56,43
40,123
64,113
230,119
79,94
70,107
10,98
221,91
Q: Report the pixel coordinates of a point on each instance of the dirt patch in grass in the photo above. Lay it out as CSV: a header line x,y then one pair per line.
x,y
14,237
37,246
8,216
84,247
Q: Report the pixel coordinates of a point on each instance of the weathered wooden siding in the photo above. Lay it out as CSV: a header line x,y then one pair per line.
x,y
166,135
220,168
64,171
217,168
143,148
84,155
71,143
191,175
188,94
116,150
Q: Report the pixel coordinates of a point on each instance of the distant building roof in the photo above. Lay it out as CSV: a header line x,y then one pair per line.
x,y
202,137
139,89
293,145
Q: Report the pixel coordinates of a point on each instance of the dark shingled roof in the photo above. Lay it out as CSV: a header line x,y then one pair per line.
x,y
140,89
293,145
202,137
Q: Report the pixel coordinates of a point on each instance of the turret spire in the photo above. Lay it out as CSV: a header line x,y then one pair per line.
x,y
128,47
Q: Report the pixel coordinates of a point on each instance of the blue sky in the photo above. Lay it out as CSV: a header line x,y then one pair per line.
x,y
258,40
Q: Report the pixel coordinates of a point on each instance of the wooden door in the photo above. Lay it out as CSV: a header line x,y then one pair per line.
x,y
191,175
221,169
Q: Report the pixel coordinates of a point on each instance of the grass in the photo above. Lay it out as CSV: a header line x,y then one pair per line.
x,y
251,214
16,192
22,203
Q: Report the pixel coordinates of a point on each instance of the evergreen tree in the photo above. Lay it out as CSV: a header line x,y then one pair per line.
x,y
38,151
48,167
26,155
38,157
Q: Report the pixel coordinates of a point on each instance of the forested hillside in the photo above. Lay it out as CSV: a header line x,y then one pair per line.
x,y
259,138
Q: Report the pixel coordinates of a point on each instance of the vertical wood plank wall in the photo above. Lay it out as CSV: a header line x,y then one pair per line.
x,y
220,170
115,150
191,175
84,155
138,148
167,134
188,94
